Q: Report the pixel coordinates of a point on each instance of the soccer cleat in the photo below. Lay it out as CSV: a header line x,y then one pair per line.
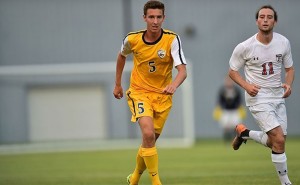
x,y
128,178
238,140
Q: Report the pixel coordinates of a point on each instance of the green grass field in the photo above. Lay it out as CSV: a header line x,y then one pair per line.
x,y
210,162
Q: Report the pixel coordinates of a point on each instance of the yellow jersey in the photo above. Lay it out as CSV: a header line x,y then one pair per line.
x,y
153,62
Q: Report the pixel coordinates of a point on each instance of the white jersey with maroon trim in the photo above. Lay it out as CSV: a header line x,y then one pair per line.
x,y
262,66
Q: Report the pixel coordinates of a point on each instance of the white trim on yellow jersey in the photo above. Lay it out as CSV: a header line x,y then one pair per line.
x,y
176,47
153,62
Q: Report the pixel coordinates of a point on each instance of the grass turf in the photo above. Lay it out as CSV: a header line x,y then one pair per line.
x,y
209,162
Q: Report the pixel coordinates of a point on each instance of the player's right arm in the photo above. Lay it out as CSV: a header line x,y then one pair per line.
x,y
118,90
251,89
236,62
121,59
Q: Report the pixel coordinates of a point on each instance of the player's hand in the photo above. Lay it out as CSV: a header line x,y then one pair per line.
x,y
169,89
287,91
118,92
252,89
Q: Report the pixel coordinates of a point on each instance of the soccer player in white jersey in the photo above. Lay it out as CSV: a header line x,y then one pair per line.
x,y
262,57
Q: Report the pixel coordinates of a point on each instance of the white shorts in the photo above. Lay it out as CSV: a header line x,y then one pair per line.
x,y
230,118
270,115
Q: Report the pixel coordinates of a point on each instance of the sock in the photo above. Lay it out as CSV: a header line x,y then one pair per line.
x,y
280,162
151,160
139,168
259,137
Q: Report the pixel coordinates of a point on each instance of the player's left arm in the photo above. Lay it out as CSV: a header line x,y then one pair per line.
x,y
289,78
180,77
180,65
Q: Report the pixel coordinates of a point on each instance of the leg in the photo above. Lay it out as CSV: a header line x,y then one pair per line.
x,y
140,167
149,152
142,109
266,116
271,118
148,132
228,134
243,134
276,142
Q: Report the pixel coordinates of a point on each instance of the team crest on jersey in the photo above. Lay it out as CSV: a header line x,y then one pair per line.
x,y
279,58
161,53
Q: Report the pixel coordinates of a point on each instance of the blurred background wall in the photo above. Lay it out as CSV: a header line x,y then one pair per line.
x,y
37,33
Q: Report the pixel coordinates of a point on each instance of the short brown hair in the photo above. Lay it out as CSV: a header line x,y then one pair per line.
x,y
152,4
267,7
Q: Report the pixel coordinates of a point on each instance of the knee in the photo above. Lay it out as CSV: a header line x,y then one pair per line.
x,y
149,136
277,138
280,141
278,144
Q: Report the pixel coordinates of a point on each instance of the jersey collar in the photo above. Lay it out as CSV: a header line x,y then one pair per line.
x,y
152,43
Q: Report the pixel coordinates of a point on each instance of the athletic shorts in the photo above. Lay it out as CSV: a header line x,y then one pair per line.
x,y
270,115
230,118
155,105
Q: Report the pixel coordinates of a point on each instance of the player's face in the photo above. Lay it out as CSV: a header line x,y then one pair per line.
x,y
154,20
265,20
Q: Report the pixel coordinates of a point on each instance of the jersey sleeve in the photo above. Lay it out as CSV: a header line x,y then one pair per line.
x,y
287,59
177,52
125,48
237,59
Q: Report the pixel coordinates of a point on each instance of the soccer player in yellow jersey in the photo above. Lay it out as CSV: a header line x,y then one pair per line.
x,y
155,52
